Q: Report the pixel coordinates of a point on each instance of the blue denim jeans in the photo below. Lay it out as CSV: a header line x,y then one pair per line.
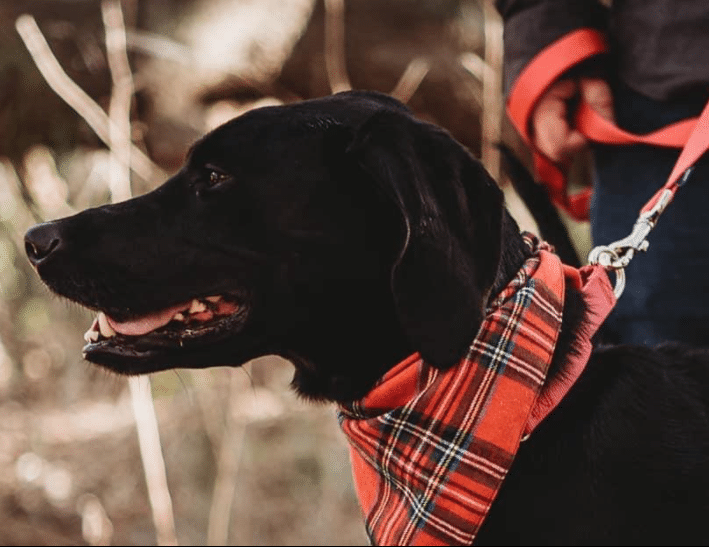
x,y
667,292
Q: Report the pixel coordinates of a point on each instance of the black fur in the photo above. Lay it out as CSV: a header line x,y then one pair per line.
x,y
352,235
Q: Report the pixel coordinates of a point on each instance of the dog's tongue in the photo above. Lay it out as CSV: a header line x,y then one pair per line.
x,y
147,323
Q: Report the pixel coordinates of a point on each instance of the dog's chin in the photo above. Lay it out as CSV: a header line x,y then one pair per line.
x,y
179,343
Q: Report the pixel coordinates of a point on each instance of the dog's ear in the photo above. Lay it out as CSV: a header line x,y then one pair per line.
x,y
451,221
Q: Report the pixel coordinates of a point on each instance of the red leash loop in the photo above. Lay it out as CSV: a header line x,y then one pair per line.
x,y
532,83
691,135
542,71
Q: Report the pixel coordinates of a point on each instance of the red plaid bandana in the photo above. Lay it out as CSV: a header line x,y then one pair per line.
x,y
431,448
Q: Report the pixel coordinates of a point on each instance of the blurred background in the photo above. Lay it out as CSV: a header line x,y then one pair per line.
x,y
240,459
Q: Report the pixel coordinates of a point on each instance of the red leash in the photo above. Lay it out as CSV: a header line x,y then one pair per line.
x,y
617,255
532,83
691,135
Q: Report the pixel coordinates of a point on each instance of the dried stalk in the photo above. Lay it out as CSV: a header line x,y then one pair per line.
x,y
153,462
227,470
45,186
15,211
76,97
492,91
115,132
212,405
411,79
120,146
159,47
476,65
119,130
335,58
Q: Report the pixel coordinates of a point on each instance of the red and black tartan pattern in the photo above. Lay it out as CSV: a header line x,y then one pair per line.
x,y
430,449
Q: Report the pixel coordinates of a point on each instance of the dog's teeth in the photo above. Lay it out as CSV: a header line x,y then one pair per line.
x,y
197,307
179,317
213,299
92,334
103,326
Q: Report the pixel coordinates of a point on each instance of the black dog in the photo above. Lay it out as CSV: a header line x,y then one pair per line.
x,y
344,235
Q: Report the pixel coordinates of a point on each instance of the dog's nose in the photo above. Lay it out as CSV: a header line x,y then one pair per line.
x,y
41,241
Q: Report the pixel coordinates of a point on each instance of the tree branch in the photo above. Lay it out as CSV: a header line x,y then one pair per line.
x,y
76,97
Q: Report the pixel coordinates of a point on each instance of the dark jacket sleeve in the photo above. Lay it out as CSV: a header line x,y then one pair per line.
x,y
531,25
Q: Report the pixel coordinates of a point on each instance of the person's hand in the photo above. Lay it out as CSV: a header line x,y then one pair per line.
x,y
552,134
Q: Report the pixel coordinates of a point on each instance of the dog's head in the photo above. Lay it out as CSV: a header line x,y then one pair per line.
x,y
340,233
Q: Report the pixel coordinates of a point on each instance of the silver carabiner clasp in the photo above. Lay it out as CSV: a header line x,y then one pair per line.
x,y
617,255
608,257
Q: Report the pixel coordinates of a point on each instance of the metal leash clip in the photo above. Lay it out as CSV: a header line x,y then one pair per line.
x,y
617,255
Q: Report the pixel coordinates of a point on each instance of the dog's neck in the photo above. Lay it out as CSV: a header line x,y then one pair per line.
x,y
393,345
514,252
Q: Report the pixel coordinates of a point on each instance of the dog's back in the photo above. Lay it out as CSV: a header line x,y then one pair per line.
x,y
624,459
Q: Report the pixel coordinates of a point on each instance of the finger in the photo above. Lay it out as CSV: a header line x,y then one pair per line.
x,y
561,144
550,127
552,134
597,93
563,89
573,144
550,130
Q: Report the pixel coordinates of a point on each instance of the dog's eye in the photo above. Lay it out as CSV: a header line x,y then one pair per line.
x,y
215,177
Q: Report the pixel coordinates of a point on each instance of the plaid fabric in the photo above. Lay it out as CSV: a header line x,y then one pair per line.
x,y
430,449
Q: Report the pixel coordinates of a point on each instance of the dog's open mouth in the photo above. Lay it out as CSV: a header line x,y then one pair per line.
x,y
193,323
